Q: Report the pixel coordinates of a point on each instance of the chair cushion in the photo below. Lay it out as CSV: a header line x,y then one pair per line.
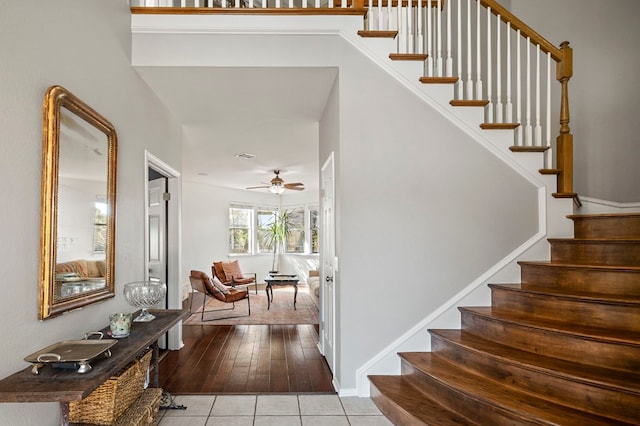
x,y
218,271
232,270
218,286
235,295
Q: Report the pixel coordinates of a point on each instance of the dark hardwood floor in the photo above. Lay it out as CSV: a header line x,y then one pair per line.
x,y
246,359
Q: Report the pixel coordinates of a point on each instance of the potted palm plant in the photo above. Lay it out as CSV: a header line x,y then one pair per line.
x,y
275,235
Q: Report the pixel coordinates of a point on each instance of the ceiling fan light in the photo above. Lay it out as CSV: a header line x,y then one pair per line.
x,y
276,189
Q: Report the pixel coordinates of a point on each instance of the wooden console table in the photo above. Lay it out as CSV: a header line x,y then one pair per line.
x,y
63,386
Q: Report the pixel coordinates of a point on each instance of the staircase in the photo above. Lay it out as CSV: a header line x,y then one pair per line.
x,y
560,348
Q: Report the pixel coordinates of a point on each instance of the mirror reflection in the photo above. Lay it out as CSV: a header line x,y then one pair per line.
x,y
78,202
81,234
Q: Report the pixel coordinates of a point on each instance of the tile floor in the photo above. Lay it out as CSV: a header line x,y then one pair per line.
x,y
272,410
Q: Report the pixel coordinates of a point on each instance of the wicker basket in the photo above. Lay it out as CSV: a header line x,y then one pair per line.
x,y
105,404
143,411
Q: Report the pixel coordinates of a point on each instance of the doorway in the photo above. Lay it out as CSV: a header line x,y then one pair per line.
x,y
162,235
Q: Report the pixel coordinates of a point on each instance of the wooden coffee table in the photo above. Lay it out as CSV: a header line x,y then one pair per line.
x,y
274,280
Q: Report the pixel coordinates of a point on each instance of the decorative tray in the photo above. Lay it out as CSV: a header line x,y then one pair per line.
x,y
283,275
75,354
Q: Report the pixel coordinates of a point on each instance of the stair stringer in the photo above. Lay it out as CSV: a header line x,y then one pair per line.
x,y
552,213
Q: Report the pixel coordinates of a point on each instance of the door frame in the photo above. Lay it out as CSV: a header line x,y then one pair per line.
x,y
174,291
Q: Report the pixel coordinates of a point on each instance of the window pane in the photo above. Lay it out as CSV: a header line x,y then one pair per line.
x,y
238,240
295,241
100,228
313,229
240,227
239,218
264,219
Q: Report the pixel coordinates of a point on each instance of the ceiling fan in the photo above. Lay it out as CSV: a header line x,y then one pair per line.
x,y
278,186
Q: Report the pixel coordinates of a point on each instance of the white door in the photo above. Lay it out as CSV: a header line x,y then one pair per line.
x,y
329,264
157,223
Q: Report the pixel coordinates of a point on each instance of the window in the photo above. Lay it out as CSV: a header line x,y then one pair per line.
x,y
264,217
313,228
100,227
240,229
295,240
248,226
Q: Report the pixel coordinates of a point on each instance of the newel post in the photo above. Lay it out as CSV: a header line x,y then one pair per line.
x,y
358,4
564,72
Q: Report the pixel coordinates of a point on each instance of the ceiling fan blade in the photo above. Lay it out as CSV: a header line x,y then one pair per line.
x,y
294,188
295,184
258,187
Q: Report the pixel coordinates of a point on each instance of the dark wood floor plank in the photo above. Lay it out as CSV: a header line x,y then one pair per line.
x,y
246,359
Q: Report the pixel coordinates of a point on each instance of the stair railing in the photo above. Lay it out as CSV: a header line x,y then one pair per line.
x,y
493,58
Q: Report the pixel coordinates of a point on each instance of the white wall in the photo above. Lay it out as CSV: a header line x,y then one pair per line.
x,y
422,208
604,95
83,45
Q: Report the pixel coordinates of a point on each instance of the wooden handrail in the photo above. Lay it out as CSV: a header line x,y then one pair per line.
x,y
525,30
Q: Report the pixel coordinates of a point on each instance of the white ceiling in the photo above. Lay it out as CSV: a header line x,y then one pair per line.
x,y
272,113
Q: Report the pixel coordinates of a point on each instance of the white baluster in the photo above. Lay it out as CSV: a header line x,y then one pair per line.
x,y
489,109
509,106
538,129
389,14
419,30
399,18
548,124
410,26
478,55
519,135
459,84
498,103
429,41
439,38
469,87
528,129
449,62
379,14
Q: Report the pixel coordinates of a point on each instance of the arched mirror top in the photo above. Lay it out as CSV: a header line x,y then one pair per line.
x,y
77,227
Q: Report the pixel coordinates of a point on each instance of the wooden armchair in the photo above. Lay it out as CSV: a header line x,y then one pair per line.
x,y
201,283
230,274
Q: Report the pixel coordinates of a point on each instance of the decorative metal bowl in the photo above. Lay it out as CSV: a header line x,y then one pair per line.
x,y
145,295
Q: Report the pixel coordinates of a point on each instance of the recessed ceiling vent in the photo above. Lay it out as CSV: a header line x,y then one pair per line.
x,y
245,155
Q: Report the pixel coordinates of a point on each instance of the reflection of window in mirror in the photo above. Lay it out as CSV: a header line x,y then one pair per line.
x,y
100,226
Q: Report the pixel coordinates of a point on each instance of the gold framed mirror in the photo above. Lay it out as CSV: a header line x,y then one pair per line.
x,y
78,200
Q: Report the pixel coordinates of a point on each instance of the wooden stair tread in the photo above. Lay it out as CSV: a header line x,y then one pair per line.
x,y
591,375
499,126
602,298
408,56
439,80
594,240
414,402
580,266
377,34
504,399
469,103
604,216
595,333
